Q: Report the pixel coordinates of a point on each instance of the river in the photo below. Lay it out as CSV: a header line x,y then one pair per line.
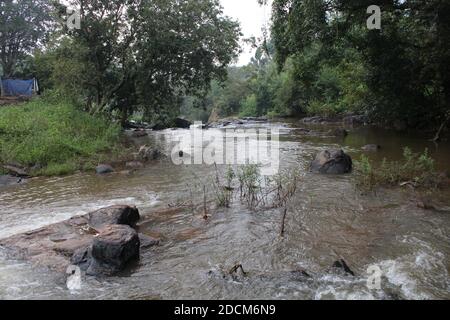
x,y
328,218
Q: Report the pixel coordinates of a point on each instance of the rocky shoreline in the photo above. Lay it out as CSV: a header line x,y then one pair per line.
x,y
101,243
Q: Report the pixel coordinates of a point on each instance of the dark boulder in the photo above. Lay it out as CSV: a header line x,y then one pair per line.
x,y
159,127
332,162
104,169
341,267
82,258
182,123
371,148
120,214
113,249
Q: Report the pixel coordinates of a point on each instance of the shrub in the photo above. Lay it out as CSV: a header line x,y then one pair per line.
x,y
254,190
54,134
415,169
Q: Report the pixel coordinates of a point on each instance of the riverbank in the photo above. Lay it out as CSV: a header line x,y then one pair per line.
x,y
50,136
326,220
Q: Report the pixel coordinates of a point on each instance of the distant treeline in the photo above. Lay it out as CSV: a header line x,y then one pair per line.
x,y
152,57
322,59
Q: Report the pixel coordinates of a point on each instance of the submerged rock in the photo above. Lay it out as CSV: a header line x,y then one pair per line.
x,y
119,214
104,169
332,162
341,267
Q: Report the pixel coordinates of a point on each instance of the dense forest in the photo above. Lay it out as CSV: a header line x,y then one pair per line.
x,y
155,60
322,59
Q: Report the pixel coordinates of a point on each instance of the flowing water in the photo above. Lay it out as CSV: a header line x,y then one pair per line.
x,y
328,218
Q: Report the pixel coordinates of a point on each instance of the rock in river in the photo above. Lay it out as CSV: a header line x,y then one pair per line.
x,y
104,169
341,267
100,250
182,123
113,249
119,214
332,162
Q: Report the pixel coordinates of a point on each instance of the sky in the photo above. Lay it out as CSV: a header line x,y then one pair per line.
x,y
252,18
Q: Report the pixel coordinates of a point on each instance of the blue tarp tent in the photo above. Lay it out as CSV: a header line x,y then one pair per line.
x,y
17,88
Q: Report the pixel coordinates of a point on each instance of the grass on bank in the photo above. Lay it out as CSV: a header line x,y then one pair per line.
x,y
416,169
53,136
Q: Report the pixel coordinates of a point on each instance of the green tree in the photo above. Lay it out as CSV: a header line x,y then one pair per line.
x,y
185,45
24,26
146,54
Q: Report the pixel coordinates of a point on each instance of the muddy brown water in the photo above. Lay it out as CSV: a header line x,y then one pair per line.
x,y
328,218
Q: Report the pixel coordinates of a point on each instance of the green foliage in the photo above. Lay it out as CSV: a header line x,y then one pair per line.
x,y
53,134
400,72
249,106
137,56
24,26
415,169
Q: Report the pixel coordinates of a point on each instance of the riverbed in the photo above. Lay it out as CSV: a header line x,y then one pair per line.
x,y
327,219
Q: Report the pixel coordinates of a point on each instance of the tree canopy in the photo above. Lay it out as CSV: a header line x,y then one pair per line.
x,y
24,25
